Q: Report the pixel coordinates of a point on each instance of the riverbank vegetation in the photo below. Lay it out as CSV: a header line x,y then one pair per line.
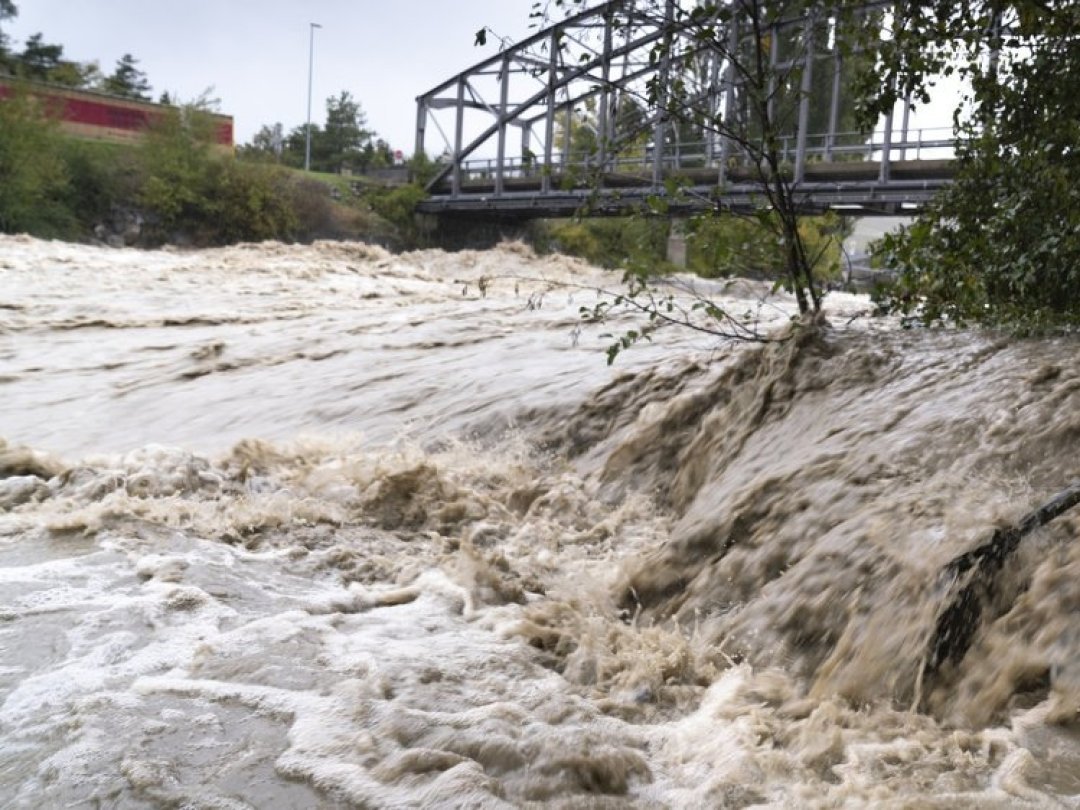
x,y
716,247
176,186
1001,245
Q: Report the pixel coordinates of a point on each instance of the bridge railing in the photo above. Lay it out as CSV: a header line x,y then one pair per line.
x,y
933,143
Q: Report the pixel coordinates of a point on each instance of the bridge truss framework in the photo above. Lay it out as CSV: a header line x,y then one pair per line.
x,y
505,123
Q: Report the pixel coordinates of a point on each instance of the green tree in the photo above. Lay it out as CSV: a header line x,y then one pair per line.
x,y
345,137
8,11
758,115
192,190
127,80
742,246
378,154
344,142
1001,245
61,188
266,144
175,162
39,58
296,142
582,151
43,61
76,74
35,180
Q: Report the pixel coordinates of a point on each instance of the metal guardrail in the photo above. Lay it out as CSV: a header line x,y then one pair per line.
x,y
937,140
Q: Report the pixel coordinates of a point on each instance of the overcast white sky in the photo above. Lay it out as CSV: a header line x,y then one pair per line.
x,y
255,54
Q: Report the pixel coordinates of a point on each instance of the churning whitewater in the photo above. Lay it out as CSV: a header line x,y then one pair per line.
x,y
295,527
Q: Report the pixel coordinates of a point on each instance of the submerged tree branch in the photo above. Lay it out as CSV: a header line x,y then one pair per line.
x,y
663,310
959,620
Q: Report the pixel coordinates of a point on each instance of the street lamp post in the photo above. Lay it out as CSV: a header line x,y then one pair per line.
x,y
310,71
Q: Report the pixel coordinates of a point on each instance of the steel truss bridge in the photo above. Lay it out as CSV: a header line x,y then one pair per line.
x,y
575,118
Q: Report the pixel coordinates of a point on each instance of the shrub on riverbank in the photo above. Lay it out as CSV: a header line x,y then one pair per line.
x,y
34,177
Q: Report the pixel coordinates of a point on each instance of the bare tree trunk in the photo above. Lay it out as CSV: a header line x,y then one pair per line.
x,y
798,269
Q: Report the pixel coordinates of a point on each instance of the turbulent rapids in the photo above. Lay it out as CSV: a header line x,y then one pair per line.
x,y
321,526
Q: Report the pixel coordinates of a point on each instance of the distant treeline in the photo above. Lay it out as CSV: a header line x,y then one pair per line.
x,y
43,61
345,143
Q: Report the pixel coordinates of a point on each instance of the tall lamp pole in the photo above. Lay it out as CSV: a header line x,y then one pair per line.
x,y
310,71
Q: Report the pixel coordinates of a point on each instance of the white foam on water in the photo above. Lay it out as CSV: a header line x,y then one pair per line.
x,y
323,527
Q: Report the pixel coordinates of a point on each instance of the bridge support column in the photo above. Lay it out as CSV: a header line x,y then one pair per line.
x,y
676,243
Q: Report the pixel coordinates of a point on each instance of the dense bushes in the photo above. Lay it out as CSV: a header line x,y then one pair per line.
x,y
720,246
34,179
99,177
1000,246
396,207
175,184
631,242
716,245
189,192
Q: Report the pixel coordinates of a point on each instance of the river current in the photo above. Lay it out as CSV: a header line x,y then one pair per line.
x,y
322,526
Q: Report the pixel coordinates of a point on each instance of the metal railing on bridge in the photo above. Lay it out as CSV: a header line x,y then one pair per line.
x,y
924,143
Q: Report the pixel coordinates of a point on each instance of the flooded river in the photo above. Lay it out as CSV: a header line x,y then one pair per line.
x,y
296,527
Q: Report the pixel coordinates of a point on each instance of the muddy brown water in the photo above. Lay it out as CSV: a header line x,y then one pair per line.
x,y
321,526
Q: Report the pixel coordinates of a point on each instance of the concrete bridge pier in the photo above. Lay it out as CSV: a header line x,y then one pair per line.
x,y
676,242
